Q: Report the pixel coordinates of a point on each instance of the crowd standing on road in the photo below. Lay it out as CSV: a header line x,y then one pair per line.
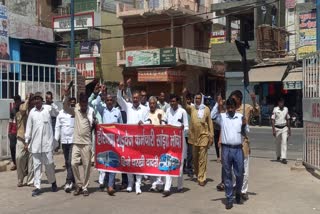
x,y
38,127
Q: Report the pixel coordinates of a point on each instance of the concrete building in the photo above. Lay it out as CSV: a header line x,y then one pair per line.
x,y
271,55
166,44
87,36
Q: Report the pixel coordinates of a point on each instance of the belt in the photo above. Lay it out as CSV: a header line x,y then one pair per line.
x,y
280,127
239,146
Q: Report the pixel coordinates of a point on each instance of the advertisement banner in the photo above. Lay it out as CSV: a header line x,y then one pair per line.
x,y
90,49
160,75
307,33
145,150
4,38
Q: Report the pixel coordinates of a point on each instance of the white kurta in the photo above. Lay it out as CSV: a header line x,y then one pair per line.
x,y
39,134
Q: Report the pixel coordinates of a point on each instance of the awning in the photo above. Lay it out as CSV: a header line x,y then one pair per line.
x,y
294,75
294,80
267,74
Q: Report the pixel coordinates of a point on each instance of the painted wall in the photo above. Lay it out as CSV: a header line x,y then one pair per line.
x,y
110,47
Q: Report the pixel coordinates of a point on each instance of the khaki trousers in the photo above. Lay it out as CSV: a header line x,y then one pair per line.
x,y
200,156
24,163
81,152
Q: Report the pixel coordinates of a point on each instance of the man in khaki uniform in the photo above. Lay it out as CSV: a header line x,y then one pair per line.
x,y
82,140
23,156
200,136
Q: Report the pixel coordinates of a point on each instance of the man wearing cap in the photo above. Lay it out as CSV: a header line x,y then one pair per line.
x,y
39,137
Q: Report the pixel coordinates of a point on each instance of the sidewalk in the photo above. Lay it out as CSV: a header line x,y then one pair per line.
x,y
273,188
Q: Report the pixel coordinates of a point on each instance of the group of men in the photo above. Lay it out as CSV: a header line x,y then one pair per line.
x,y
38,137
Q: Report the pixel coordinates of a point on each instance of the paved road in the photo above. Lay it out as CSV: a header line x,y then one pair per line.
x,y
262,143
273,188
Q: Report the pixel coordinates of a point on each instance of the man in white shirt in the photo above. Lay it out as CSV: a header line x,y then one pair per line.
x,y
176,116
64,132
110,114
281,129
136,114
156,117
232,125
40,140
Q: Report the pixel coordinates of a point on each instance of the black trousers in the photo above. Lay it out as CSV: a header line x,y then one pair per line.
x,y
216,142
67,152
13,143
188,167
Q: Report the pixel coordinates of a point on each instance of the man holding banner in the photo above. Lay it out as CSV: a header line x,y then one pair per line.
x,y
109,115
155,117
136,114
176,116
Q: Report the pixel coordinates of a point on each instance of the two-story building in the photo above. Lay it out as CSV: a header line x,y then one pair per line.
x,y
166,45
263,24
86,35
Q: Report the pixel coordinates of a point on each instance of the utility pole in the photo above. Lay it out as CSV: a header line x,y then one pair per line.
x,y
72,34
318,24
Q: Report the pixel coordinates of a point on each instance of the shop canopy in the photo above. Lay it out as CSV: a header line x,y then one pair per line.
x,y
294,75
267,74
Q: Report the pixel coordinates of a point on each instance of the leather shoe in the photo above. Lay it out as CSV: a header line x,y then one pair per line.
x,y
245,196
20,185
54,187
166,193
110,191
36,192
284,161
229,205
101,187
77,191
220,187
14,167
85,192
238,198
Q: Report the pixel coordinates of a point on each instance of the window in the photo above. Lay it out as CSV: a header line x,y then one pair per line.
x,y
55,4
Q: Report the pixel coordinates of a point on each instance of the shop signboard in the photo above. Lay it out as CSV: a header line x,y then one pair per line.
x,y
168,56
90,49
307,33
159,75
81,21
218,37
86,66
292,85
152,57
195,58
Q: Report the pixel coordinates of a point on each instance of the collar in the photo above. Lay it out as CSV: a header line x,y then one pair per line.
x,y
38,109
234,116
138,108
113,109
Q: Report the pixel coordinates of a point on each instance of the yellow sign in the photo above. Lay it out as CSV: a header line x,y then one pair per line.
x,y
306,50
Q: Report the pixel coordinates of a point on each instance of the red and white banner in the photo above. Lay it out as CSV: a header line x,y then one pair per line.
x,y
145,149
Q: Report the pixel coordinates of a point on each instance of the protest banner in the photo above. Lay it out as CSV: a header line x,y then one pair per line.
x,y
139,149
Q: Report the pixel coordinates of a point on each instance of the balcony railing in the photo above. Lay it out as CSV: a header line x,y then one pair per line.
x,y
78,7
144,6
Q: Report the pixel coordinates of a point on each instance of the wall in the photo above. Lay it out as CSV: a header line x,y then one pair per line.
x,y
45,13
110,47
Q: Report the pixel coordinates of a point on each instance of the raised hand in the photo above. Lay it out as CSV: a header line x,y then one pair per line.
x,y
121,85
129,82
96,89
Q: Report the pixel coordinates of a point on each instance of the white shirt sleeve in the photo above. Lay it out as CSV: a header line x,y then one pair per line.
x,y
57,128
121,101
54,111
214,112
28,133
